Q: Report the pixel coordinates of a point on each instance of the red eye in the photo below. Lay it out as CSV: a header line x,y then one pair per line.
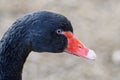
x,y
59,31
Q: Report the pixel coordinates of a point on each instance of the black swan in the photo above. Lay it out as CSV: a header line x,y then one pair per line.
x,y
41,31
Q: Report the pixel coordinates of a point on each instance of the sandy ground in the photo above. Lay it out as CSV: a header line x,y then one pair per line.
x,y
95,22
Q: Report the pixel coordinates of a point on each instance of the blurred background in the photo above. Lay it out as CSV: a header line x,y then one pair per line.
x,y
96,23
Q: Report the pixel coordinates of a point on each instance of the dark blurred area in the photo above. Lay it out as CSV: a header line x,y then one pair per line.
x,y
96,23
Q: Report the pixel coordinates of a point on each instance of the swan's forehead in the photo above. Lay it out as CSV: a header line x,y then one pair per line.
x,y
49,21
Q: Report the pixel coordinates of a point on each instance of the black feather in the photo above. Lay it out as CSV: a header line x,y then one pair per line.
x,y
33,32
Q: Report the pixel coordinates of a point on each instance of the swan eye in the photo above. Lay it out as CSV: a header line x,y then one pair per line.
x,y
59,31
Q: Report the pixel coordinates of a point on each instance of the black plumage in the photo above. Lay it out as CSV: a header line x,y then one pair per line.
x,y
33,32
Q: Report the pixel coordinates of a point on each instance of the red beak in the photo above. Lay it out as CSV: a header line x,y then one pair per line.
x,y
76,47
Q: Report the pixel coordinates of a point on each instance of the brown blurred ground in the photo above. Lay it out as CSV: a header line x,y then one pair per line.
x,y
95,22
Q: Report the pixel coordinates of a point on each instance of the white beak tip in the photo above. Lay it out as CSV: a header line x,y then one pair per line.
x,y
91,55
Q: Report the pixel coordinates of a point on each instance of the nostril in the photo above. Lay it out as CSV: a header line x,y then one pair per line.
x,y
79,46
